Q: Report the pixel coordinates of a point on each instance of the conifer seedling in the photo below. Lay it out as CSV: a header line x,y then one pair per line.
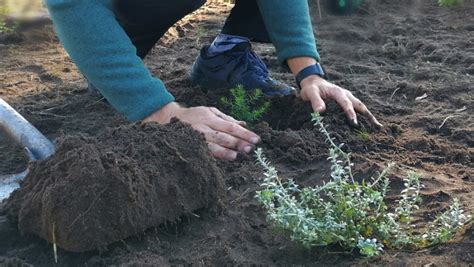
x,y
248,106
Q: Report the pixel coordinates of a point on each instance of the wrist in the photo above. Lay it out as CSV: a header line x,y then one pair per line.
x,y
296,64
311,80
165,113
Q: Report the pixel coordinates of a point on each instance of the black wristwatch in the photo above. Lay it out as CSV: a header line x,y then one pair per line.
x,y
315,69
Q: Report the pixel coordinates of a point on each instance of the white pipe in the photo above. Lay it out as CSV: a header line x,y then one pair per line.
x,y
22,132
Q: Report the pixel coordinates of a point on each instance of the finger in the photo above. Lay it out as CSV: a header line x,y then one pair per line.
x,y
228,141
222,152
346,104
362,109
226,117
316,100
235,130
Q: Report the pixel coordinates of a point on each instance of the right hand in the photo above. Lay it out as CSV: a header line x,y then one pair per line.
x,y
225,136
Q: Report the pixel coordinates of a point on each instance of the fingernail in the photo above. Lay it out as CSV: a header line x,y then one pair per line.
x,y
378,123
255,140
232,155
248,149
355,121
319,109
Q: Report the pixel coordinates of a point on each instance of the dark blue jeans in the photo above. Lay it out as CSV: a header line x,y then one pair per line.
x,y
146,21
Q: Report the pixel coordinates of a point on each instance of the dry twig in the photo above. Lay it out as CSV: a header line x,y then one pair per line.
x,y
445,120
55,248
319,10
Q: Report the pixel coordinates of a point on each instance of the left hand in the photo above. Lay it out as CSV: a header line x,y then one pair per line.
x,y
315,89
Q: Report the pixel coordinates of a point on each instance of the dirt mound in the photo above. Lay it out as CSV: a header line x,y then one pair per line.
x,y
95,191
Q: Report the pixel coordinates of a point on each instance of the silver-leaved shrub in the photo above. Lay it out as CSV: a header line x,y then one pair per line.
x,y
352,214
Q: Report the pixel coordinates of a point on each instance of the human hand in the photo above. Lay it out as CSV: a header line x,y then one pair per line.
x,y
225,136
315,89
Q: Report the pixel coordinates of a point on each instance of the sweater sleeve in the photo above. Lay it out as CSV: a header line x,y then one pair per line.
x,y
289,26
104,53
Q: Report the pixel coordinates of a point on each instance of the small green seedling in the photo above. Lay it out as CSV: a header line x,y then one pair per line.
x,y
450,3
200,34
363,135
350,213
246,106
4,28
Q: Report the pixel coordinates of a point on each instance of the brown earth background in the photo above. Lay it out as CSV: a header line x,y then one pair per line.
x,y
389,54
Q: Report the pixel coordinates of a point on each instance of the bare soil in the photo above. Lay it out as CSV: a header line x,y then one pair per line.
x,y
390,54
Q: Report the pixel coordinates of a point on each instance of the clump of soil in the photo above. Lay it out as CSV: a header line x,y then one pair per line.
x,y
95,191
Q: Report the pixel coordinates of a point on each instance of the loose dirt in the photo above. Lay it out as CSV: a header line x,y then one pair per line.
x,y
96,191
389,54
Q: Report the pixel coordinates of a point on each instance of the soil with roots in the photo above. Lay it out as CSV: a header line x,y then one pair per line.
x,y
411,62
96,191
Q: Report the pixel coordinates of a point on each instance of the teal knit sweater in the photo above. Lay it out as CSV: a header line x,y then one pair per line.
x,y
101,49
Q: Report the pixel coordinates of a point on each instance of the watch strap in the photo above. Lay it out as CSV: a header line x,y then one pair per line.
x,y
315,69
